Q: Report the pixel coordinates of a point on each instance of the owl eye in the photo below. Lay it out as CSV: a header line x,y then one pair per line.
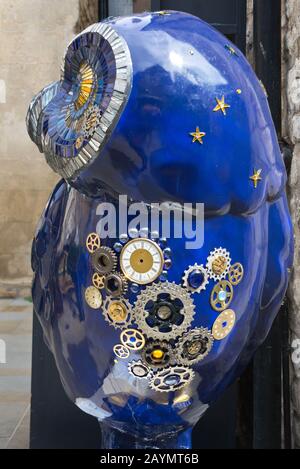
x,y
70,123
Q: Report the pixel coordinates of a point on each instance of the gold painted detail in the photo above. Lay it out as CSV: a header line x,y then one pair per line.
x,y
219,265
86,85
141,261
117,311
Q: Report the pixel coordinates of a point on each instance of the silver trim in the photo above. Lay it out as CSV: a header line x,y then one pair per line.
x,y
69,167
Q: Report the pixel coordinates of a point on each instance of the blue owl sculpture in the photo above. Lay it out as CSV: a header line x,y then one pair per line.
x,y
147,329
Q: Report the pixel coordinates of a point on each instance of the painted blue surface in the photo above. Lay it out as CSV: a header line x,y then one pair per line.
x,y
150,156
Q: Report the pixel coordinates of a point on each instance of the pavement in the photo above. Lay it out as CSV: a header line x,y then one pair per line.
x,y
15,373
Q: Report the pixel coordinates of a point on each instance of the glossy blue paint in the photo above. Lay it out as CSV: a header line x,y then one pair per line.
x,y
180,65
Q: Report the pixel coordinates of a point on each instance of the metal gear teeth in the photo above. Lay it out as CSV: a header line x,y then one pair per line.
x,y
150,294
213,255
123,284
118,324
143,366
189,271
198,331
159,380
111,257
161,345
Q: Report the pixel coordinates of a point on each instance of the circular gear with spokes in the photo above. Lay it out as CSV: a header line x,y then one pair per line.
x,y
236,273
195,278
221,295
121,351
218,263
132,339
98,280
194,345
163,311
171,378
92,242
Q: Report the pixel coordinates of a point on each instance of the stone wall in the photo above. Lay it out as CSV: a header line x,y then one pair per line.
x,y
33,36
291,126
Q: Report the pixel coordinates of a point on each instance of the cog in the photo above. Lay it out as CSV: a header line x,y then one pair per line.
x,y
221,295
138,369
92,242
118,313
104,260
98,280
132,339
200,281
236,273
163,311
121,351
218,263
171,378
158,354
115,284
194,345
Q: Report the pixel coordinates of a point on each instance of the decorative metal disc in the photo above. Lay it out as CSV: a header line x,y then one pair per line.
x,y
221,295
118,312
104,260
171,379
163,311
93,242
158,354
121,351
218,263
195,278
115,284
223,324
132,339
193,346
236,273
93,297
138,369
98,280
141,260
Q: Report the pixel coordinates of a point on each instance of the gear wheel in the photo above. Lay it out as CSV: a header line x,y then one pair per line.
x,y
163,311
118,313
195,278
218,263
158,354
138,369
104,260
115,284
194,345
171,379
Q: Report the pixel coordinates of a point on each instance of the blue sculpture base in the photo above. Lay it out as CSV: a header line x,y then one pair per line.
x,y
115,439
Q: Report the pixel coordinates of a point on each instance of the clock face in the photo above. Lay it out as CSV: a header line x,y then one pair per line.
x,y
141,260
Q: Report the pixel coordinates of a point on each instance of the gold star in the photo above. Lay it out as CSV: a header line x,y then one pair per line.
x,y
197,135
221,105
256,177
